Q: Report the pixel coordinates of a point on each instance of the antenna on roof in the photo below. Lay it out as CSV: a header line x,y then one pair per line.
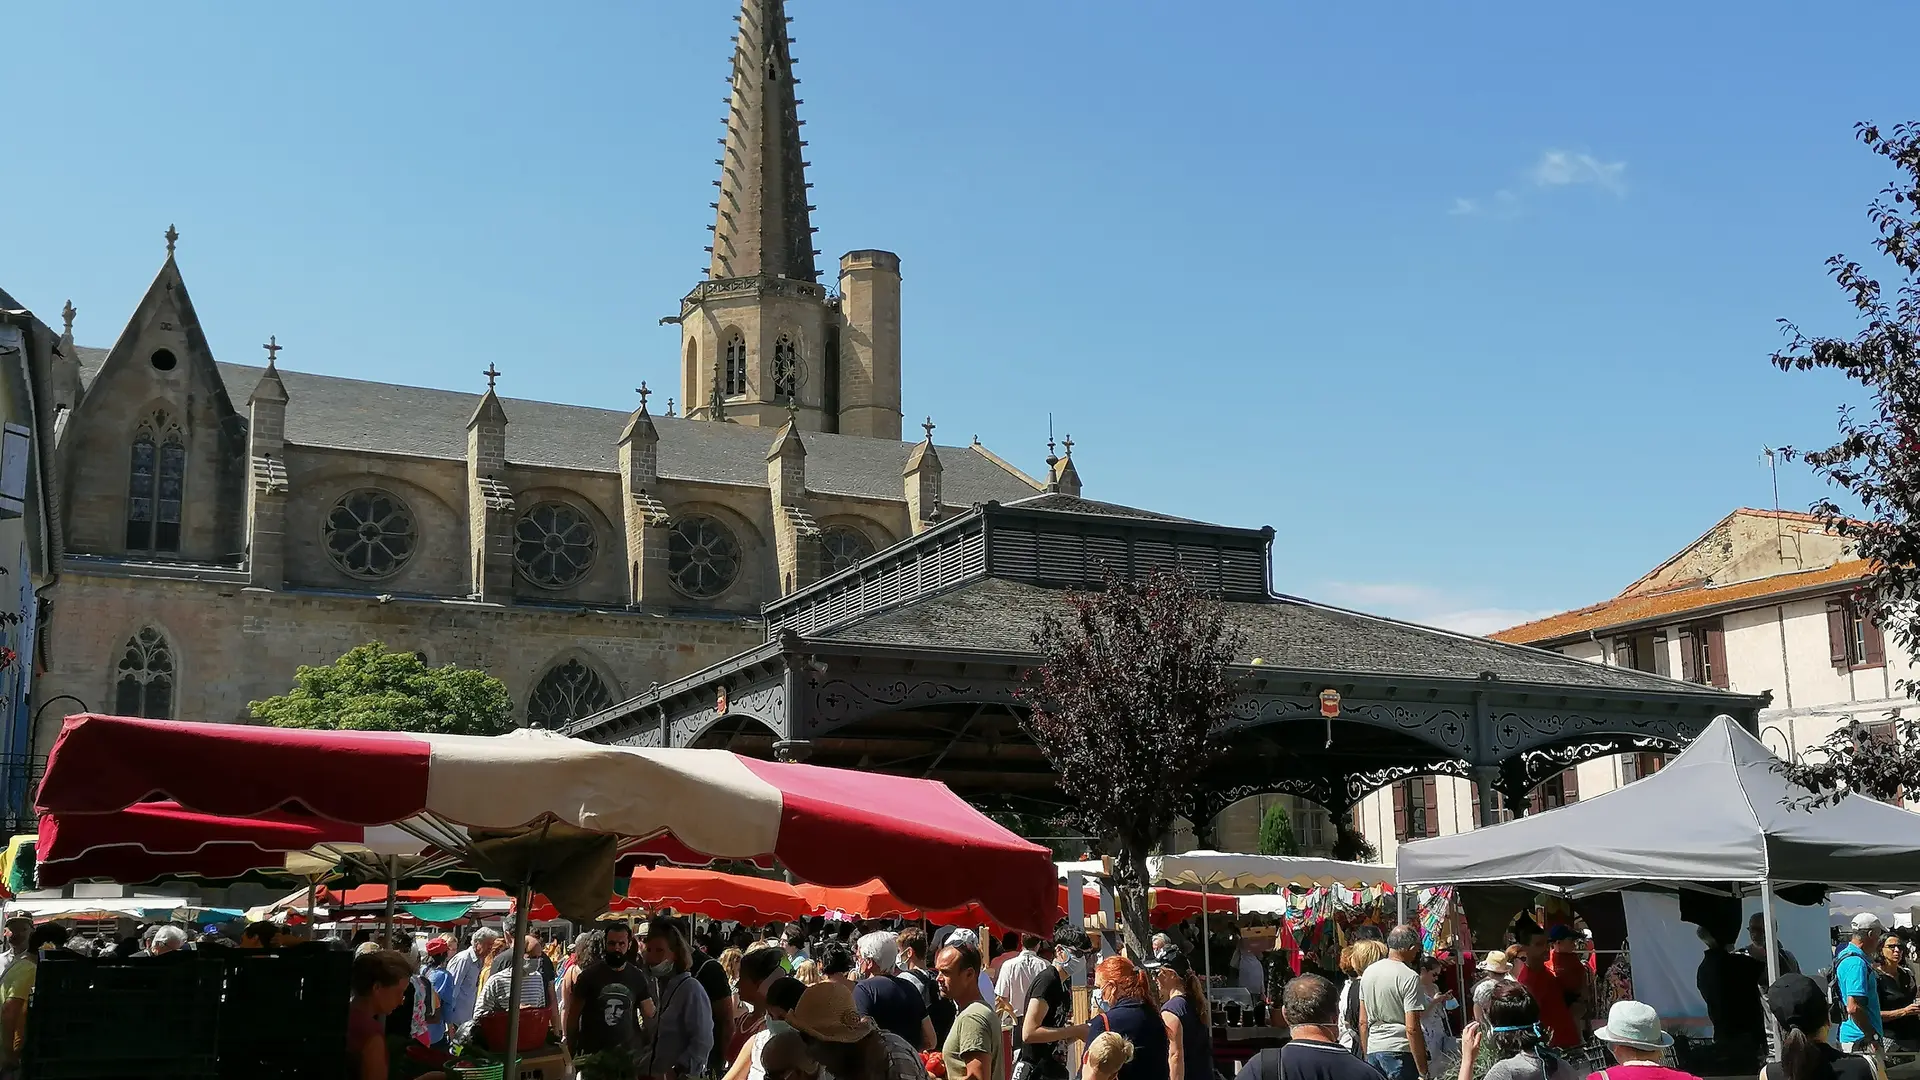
x,y
1779,525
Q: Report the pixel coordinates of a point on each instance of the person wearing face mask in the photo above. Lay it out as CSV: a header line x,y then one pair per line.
x,y
779,996
758,970
608,998
681,1033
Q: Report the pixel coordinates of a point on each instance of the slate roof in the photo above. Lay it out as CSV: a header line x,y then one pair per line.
x,y
357,414
997,615
1074,504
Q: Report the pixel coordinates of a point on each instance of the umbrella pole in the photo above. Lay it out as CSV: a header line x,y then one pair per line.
x,y
393,889
1206,938
516,961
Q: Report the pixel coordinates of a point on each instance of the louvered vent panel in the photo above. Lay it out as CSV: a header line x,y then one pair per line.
x,y
1017,553
1105,553
1245,572
1150,555
1062,558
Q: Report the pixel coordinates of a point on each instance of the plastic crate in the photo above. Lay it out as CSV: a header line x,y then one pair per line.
x,y
284,1014
103,1019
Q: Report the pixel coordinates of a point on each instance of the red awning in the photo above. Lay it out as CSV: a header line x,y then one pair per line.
x,y
716,895
831,826
154,839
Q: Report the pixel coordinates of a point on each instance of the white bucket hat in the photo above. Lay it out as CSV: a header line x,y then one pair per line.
x,y
1635,1024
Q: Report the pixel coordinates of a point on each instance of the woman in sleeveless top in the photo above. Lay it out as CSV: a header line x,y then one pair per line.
x,y
1124,988
1184,1008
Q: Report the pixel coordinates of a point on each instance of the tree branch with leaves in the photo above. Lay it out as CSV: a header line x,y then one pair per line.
x,y
1133,683
1877,457
373,688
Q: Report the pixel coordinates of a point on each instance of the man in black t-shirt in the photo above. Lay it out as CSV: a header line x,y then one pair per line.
x,y
1044,1031
1311,1007
609,999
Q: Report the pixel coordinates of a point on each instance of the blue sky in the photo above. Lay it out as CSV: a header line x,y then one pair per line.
x,y
1471,302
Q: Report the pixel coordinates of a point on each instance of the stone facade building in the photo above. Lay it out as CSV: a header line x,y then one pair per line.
x,y
221,524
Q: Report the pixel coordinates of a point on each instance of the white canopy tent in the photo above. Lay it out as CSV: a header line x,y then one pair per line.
x,y
1234,872
1721,812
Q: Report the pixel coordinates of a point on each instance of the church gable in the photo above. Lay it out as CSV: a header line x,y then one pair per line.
x,y
154,455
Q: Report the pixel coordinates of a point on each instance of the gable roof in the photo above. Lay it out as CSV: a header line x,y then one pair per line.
x,y
356,414
1679,603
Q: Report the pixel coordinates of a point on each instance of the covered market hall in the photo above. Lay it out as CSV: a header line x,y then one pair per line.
x,y
911,661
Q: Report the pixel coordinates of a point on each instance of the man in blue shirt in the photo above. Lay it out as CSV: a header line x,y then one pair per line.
x,y
1860,995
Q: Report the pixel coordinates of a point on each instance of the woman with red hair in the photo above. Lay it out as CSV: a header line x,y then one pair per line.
x,y
1132,1013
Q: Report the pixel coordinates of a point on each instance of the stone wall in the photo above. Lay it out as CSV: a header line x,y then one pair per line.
x,y
232,645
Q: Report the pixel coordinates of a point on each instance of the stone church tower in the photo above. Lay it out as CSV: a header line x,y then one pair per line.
x,y
219,524
761,333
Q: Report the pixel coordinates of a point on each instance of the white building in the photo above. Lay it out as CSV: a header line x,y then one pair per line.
x,y
1764,602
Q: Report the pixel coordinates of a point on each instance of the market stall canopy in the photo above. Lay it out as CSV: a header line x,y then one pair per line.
x,y
1720,812
149,840
729,897
551,812
1228,871
136,907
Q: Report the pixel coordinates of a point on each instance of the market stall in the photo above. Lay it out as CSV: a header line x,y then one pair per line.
x,y
542,812
1720,816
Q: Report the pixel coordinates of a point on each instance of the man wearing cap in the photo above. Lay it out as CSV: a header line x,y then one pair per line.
x,y
1858,988
1547,988
1634,1035
439,950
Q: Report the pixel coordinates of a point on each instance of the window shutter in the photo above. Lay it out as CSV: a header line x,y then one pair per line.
x,y
1473,790
1570,783
1432,801
1875,645
1689,662
1717,655
1837,633
1400,811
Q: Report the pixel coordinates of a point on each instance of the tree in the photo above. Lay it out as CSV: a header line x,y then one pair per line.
x,y
373,688
1130,688
1276,831
1876,460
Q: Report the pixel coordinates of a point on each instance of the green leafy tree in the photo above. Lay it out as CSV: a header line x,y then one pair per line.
x,y
1276,831
1132,683
374,688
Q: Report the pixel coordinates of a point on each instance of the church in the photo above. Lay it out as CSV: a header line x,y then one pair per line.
x,y
215,525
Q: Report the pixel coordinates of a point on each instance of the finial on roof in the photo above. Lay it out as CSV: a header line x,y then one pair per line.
x,y
928,428
644,393
793,409
491,373
1067,445
1051,456
173,237
670,407
66,315
273,348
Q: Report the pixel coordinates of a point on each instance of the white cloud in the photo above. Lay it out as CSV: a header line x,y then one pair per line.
x,y
1565,168
1423,604
1555,170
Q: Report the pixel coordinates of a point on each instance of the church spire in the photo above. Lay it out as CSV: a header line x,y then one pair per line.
x,y
762,225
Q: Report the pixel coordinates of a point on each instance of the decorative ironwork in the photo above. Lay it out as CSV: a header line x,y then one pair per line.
x,y
786,368
370,533
554,545
703,558
1515,730
841,701
1536,766
843,546
567,692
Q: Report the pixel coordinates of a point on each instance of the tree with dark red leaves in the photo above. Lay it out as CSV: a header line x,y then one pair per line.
x,y
1877,459
1131,689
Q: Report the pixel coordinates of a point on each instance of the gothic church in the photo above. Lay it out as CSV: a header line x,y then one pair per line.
x,y
218,524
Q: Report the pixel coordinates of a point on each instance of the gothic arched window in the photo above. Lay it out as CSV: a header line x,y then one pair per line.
x,y
155,479
786,368
553,543
736,371
567,692
703,557
843,546
144,678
